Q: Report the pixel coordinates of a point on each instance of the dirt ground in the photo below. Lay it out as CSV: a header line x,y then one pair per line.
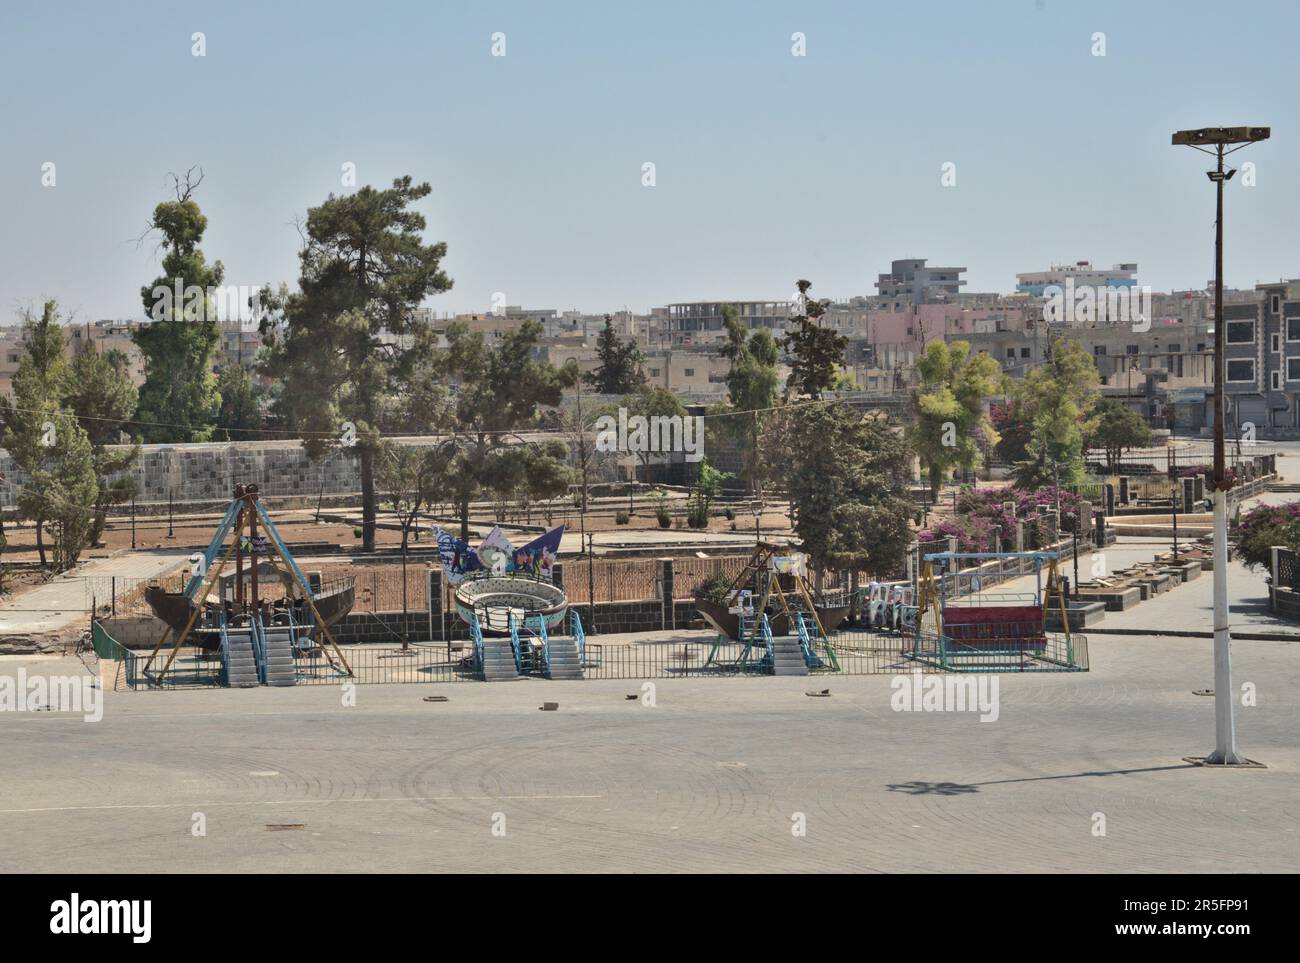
x,y
299,527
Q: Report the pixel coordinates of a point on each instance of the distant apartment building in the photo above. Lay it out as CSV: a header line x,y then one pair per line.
x,y
102,336
1082,273
700,322
911,281
1166,372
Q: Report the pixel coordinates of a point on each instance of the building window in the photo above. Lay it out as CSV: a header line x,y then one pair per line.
x,y
1275,303
1024,352
1175,349
1131,349
654,372
1275,342
689,372
13,359
1275,380
1241,370
1293,329
1099,350
1240,332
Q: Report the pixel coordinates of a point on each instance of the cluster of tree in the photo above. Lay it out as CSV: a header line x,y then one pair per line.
x,y
844,473
62,428
951,427
1040,430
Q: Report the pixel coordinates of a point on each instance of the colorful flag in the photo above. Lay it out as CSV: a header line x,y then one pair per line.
x,y
538,556
457,557
495,552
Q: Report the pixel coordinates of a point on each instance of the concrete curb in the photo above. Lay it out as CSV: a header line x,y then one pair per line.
x,y
1182,634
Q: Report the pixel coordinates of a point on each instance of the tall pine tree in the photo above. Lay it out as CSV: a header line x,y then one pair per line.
x,y
179,401
350,342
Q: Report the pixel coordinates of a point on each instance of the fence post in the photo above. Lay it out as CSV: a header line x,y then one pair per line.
x,y
1273,582
668,613
114,607
433,587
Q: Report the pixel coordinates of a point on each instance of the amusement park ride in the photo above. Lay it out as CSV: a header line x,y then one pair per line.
x,y
760,612
258,637
967,628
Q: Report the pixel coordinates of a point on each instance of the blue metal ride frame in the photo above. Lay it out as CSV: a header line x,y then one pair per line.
x,y
214,546
579,635
810,657
258,635
225,650
476,636
546,646
514,642
765,628
283,550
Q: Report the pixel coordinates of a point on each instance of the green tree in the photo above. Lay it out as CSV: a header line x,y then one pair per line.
x,y
346,342
846,477
62,487
37,394
652,401
179,401
753,387
707,487
406,476
816,353
241,404
620,369
1113,427
99,391
1057,396
497,391
950,420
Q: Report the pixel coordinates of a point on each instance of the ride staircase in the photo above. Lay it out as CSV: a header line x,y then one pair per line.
x,y
494,655
277,656
239,663
527,649
561,656
785,653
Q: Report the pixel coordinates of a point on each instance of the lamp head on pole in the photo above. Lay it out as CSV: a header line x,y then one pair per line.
x,y
1220,135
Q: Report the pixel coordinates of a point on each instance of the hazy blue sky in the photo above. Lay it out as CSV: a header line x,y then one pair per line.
x,y
769,167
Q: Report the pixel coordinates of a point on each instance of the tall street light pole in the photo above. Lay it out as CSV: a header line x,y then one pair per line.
x,y
1217,141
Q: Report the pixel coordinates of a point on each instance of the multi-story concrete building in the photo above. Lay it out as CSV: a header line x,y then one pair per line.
x,y
911,282
1082,273
102,336
700,322
1166,372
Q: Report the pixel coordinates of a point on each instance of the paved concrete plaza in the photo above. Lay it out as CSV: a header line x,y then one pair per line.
x,y
711,778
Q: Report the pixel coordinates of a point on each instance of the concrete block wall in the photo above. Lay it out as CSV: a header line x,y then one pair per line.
x,y
209,472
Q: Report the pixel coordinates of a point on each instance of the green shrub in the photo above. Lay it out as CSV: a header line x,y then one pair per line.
x,y
621,518
1263,527
713,590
